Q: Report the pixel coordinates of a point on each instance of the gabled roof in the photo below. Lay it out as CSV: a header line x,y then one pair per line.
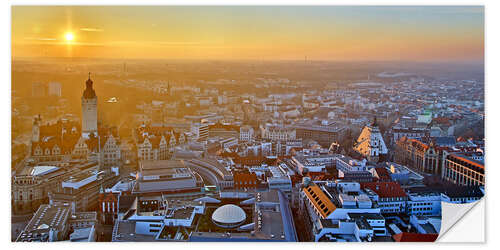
x,y
445,140
383,174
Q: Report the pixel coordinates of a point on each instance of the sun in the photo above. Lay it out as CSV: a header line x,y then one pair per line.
x,y
69,36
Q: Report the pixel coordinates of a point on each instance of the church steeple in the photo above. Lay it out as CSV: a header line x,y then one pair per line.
x,y
89,91
89,82
374,124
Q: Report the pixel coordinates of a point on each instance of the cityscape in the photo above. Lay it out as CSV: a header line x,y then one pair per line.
x,y
242,144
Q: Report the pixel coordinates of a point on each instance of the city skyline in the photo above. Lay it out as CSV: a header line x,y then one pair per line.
x,y
344,33
245,124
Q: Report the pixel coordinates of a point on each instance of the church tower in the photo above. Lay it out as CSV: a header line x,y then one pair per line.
x,y
370,143
89,110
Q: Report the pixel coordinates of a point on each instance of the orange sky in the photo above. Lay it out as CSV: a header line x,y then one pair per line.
x,y
220,32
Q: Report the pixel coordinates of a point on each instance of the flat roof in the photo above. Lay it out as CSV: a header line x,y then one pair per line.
x,y
125,231
161,164
368,216
46,217
42,170
84,216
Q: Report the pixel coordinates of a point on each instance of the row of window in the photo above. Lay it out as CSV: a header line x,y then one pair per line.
x,y
55,151
422,204
422,209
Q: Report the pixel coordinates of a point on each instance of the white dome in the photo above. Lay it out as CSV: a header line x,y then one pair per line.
x,y
229,215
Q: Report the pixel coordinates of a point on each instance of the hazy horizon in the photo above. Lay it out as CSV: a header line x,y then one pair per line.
x,y
320,33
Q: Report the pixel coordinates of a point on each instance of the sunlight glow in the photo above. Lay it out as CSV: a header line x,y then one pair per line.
x,y
69,36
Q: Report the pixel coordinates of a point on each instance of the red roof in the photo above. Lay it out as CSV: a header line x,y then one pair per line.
x,y
320,176
385,189
442,120
467,160
383,174
414,237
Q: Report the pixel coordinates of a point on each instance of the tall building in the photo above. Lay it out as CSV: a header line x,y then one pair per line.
x,y
35,131
89,110
55,89
38,89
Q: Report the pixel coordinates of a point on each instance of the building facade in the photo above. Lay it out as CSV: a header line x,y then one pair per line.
x,y
462,170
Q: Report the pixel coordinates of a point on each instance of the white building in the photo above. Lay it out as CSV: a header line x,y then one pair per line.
x,y
199,130
246,133
276,132
428,204
390,197
313,161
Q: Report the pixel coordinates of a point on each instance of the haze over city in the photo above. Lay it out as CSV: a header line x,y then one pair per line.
x,y
243,124
345,33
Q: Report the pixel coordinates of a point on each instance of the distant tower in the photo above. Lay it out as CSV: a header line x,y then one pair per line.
x,y
35,131
89,110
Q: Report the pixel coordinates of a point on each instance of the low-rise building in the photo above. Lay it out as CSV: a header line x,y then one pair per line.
x,y
391,198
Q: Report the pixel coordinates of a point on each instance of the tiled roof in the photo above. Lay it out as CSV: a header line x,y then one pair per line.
x,y
385,189
382,173
414,237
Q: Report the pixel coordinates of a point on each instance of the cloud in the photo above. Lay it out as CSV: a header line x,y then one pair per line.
x,y
157,43
91,29
40,38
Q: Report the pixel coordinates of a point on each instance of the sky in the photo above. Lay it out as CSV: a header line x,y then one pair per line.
x,y
340,33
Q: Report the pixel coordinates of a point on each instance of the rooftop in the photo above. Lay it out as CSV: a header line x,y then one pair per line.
x,y
125,231
229,214
46,217
319,199
385,189
162,164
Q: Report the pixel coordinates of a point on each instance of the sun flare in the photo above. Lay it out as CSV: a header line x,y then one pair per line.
x,y
69,36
